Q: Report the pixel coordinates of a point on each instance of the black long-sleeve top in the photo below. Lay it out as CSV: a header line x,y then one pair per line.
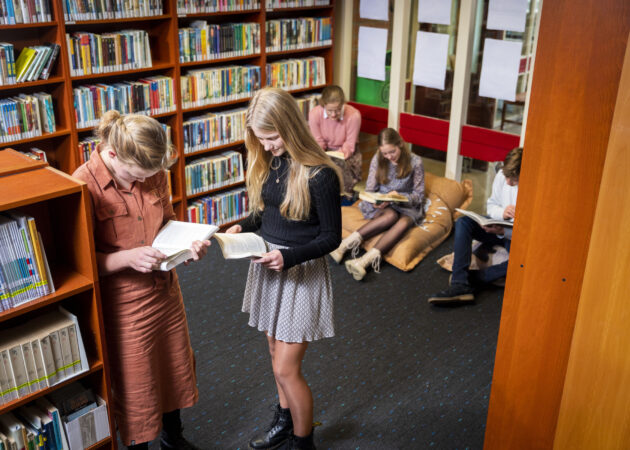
x,y
307,239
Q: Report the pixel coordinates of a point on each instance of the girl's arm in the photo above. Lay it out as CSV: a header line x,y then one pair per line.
x,y
416,196
314,123
326,199
371,185
353,126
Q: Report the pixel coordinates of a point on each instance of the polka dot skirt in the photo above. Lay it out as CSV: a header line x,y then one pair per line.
x,y
294,305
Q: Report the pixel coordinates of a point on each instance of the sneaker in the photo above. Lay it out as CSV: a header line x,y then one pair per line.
x,y
457,293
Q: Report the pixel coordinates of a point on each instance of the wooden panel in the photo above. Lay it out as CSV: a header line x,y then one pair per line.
x,y
581,46
596,399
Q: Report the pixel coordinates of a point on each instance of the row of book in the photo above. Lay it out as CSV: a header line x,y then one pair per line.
x,y
279,4
70,418
76,10
219,84
219,209
24,271
40,353
307,102
151,95
32,64
26,116
108,52
214,172
297,73
202,41
35,153
301,32
214,129
210,6
24,11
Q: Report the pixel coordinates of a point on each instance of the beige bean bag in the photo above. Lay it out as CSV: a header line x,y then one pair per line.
x,y
443,196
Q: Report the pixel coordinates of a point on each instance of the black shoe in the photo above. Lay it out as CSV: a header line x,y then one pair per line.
x,y
299,443
280,429
456,293
175,443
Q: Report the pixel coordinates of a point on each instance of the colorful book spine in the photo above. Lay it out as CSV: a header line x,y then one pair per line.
x,y
77,10
292,74
211,6
219,209
214,172
299,33
203,42
219,84
26,116
279,4
307,102
20,11
214,129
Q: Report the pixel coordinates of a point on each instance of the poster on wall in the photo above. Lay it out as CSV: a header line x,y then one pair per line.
x,y
434,11
372,50
499,69
507,15
374,9
429,68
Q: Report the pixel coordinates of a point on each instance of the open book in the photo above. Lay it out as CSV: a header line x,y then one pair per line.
x,y
483,221
378,198
241,245
336,154
175,240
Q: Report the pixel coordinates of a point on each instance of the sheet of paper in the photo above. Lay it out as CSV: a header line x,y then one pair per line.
x,y
507,15
435,11
374,9
429,67
372,49
499,69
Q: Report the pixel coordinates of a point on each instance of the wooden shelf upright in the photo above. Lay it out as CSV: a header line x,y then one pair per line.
x,y
59,205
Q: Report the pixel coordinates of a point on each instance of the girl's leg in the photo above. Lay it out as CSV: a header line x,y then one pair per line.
x,y
282,398
287,369
380,223
394,234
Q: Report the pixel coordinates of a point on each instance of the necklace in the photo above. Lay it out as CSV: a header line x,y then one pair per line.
x,y
275,169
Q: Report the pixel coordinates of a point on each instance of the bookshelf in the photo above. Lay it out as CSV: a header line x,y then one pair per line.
x,y
59,205
162,28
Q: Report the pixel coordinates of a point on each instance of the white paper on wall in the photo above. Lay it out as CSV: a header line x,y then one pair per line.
x,y
374,9
499,69
429,68
507,15
435,11
372,50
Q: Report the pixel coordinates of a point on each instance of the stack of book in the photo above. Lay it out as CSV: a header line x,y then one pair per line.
x,y
7,64
35,62
297,73
75,10
219,84
211,6
302,32
219,209
214,172
202,41
33,11
279,4
24,271
152,95
87,146
40,353
214,129
307,102
109,52
35,153
26,116
33,426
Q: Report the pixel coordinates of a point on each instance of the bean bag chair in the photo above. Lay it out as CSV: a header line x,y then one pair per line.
x,y
442,196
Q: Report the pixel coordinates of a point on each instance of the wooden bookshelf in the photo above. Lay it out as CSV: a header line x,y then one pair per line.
x,y
61,146
60,205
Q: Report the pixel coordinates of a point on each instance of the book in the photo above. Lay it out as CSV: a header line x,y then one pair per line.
x,y
485,221
175,240
377,198
338,154
241,245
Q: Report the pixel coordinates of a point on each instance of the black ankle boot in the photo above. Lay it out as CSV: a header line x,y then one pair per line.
x,y
299,443
278,431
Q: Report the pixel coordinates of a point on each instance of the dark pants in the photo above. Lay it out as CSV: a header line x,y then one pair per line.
x,y
171,426
467,230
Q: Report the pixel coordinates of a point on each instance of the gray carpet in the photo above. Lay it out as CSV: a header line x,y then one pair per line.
x,y
400,374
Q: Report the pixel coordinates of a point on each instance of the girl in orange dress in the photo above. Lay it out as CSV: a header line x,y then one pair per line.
x,y
151,360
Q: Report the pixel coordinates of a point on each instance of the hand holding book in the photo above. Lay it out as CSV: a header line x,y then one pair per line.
x,y
378,198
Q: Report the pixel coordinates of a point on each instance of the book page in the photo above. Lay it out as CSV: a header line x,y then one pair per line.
x,y
240,245
336,154
176,236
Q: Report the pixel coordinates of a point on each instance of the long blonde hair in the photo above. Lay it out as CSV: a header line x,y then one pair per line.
x,y
137,139
403,165
274,110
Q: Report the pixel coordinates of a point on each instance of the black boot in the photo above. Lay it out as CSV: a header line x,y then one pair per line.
x,y
172,437
299,443
278,431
